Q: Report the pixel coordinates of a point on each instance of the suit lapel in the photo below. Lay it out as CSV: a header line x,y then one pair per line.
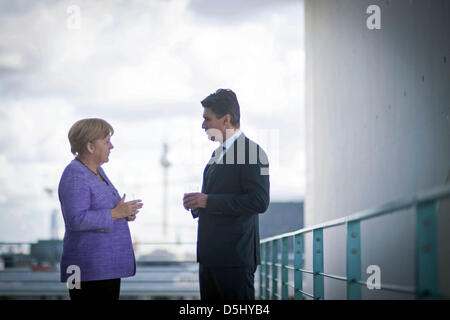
x,y
211,169
209,174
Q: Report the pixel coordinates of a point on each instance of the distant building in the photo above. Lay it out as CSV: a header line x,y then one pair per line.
x,y
16,260
281,217
47,251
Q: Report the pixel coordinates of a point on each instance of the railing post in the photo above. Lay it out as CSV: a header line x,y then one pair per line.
x,y
426,251
261,271
318,263
284,270
298,264
274,269
353,260
267,254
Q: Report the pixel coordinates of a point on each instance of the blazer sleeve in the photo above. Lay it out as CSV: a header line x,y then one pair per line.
x,y
75,200
255,198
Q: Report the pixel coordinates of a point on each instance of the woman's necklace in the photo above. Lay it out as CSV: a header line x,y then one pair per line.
x,y
94,172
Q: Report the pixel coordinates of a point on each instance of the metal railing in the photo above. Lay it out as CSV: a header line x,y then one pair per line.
x,y
425,205
161,277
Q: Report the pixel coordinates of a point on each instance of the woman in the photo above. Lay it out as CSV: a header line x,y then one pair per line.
x,y
97,238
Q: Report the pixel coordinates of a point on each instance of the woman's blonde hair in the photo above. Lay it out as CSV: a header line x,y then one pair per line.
x,y
87,130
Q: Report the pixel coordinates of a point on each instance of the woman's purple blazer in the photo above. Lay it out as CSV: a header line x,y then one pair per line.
x,y
100,246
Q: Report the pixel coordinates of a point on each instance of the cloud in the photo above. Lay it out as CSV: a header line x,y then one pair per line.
x,y
144,66
11,61
235,10
151,52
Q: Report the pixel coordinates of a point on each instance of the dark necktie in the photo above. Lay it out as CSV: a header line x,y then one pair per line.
x,y
213,156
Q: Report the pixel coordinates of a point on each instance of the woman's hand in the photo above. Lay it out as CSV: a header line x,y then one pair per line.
x,y
126,209
132,217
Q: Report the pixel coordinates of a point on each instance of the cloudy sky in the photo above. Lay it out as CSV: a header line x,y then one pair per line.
x,y
144,66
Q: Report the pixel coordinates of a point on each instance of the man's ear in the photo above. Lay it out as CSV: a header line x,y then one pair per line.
x,y
227,119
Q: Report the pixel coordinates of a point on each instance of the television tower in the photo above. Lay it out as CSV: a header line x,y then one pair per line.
x,y
165,164
53,217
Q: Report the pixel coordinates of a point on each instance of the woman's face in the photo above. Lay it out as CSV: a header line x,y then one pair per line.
x,y
102,149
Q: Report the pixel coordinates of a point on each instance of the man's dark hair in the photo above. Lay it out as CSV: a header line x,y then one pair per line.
x,y
222,102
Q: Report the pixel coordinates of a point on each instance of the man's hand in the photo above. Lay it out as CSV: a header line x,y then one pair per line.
x,y
194,200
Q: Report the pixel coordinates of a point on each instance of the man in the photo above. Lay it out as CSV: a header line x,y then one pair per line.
x,y
235,190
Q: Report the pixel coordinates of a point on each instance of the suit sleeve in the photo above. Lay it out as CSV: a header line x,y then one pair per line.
x,y
255,198
75,199
195,213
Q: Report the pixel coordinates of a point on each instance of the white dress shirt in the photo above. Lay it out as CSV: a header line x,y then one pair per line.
x,y
229,142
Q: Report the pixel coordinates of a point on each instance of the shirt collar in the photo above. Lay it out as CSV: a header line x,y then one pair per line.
x,y
232,139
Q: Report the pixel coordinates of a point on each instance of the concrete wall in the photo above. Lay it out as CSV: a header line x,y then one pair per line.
x,y
378,128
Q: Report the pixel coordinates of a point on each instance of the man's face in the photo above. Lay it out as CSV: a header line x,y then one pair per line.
x,y
214,127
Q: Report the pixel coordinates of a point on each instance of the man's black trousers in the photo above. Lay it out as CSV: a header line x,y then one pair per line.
x,y
227,283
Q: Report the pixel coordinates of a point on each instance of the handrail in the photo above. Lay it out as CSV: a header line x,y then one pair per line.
x,y
180,279
425,204
150,284
439,192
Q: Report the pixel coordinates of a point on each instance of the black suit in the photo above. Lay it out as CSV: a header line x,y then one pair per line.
x,y
228,228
